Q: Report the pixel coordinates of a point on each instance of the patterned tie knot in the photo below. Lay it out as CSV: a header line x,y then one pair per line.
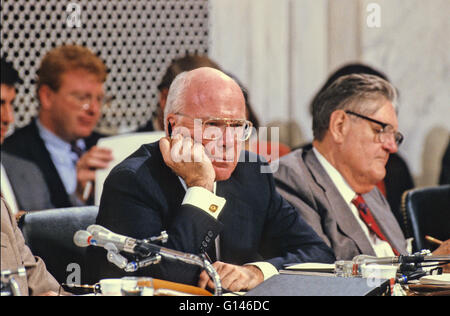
x,y
360,204
76,149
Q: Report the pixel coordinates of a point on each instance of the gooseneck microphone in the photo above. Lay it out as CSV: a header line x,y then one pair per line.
x,y
98,236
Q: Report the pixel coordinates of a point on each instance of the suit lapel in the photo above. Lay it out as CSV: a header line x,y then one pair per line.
x,y
170,183
386,221
235,215
336,204
42,158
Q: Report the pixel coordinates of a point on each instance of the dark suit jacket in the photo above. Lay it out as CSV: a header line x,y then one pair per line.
x,y
28,184
302,180
142,197
27,144
398,180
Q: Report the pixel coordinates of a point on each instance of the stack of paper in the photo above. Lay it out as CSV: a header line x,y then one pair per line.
x,y
312,267
443,279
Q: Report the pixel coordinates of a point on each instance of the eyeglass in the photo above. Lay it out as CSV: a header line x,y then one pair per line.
x,y
386,129
85,101
242,127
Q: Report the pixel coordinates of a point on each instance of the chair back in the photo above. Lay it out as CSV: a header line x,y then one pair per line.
x,y
49,235
426,211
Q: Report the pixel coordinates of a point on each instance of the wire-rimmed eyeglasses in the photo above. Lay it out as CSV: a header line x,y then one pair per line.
x,y
215,128
386,129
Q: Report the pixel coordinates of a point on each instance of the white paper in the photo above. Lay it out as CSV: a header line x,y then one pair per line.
x,y
122,146
443,279
311,266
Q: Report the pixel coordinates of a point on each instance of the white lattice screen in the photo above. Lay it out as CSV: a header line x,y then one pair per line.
x,y
137,39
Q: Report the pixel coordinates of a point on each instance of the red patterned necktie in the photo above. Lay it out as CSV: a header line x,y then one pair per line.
x,y
367,217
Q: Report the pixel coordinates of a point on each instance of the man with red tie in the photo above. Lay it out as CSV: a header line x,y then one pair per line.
x,y
333,182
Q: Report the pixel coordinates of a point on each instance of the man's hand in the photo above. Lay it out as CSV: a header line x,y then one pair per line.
x,y
234,278
443,250
188,160
95,158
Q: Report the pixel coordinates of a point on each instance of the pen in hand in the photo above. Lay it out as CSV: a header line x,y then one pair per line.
x,y
87,190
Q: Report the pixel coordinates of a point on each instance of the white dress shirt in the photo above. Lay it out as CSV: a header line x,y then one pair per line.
x,y
62,156
380,247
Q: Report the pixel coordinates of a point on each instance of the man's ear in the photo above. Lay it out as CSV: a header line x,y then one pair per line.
x,y
339,126
170,124
45,95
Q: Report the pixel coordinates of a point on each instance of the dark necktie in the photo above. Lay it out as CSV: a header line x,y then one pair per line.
x,y
367,217
76,149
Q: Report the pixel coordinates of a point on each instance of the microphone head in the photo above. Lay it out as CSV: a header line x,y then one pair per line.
x,y
97,229
81,238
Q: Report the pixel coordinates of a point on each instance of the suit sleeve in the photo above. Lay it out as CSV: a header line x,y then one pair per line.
x,y
38,280
304,204
133,206
291,235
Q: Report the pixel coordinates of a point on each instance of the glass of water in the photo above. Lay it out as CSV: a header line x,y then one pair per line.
x,y
343,268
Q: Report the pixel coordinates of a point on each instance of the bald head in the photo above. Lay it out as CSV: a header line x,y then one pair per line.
x,y
203,88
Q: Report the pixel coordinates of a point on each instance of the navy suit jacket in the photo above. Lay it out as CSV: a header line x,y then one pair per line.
x,y
142,197
26,143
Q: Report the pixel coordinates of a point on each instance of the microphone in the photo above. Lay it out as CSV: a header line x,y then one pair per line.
x,y
82,238
101,237
402,259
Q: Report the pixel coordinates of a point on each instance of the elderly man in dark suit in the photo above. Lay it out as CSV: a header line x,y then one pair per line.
x,y
195,186
333,182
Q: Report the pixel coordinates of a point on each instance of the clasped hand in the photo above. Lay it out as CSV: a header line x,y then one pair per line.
x,y
188,160
234,278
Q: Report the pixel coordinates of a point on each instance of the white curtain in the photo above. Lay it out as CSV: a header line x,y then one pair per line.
x,y
283,51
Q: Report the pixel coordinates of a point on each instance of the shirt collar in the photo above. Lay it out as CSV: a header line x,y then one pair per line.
x,y
55,141
343,187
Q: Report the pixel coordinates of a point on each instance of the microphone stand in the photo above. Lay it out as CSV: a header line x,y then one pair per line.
x,y
152,254
9,286
409,266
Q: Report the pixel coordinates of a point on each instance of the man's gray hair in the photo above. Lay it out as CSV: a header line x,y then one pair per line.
x,y
175,99
355,92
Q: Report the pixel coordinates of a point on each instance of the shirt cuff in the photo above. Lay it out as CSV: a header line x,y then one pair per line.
x,y
205,200
267,269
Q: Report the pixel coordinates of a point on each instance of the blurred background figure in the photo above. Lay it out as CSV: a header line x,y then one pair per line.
x,y
177,66
22,185
61,141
